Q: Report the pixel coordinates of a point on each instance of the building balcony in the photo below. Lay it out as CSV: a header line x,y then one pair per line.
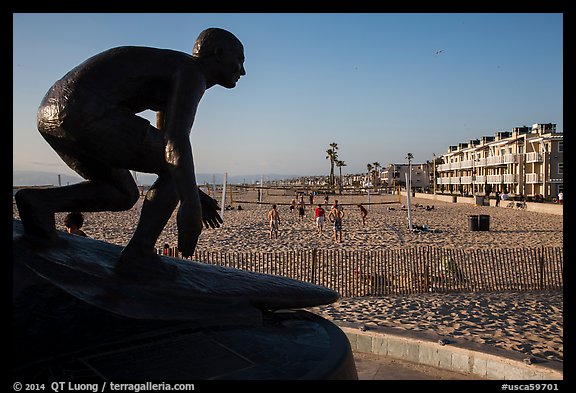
x,y
533,178
443,167
509,158
494,160
533,157
494,179
510,178
455,180
479,179
465,179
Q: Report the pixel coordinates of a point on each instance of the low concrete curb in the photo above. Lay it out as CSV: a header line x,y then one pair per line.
x,y
548,208
458,355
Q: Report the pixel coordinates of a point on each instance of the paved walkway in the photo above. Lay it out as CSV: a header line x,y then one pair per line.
x,y
377,367
385,353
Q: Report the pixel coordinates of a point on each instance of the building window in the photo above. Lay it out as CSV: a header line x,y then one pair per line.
x,y
561,147
560,168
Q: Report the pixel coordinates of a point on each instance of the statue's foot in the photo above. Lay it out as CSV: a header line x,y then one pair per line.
x,y
38,221
140,265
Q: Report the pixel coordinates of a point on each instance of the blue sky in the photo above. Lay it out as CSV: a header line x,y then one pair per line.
x,y
372,83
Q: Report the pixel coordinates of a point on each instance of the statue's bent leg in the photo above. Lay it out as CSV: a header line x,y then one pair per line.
x,y
36,207
38,222
159,204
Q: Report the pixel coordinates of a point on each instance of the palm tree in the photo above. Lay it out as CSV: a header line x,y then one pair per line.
x,y
409,157
369,168
340,164
332,154
376,166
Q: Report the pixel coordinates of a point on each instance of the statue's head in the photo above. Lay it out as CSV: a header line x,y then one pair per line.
x,y
226,53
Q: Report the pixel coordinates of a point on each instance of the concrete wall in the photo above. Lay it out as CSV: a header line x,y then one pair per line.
x,y
547,208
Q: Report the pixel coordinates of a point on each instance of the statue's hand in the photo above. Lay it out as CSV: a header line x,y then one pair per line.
x,y
210,208
189,222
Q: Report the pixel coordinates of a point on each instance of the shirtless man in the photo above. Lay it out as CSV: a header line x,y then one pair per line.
x,y
336,216
89,117
274,221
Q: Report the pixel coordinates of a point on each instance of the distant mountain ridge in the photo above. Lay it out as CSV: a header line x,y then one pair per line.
x,y
39,178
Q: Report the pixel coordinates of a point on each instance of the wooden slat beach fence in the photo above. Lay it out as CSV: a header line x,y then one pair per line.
x,y
404,270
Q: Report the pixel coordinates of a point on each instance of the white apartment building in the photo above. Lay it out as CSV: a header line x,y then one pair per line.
x,y
395,174
526,161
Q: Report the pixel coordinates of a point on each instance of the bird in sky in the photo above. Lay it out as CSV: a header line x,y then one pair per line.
x,y
439,51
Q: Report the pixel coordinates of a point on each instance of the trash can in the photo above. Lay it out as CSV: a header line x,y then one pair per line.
x,y
454,199
484,222
473,222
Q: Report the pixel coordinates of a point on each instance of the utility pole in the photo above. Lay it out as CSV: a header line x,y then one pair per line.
x,y
223,195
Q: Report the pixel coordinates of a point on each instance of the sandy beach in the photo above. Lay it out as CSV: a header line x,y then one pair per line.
x,y
526,322
386,226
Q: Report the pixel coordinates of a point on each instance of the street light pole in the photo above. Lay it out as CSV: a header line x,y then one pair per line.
x,y
410,161
473,174
434,170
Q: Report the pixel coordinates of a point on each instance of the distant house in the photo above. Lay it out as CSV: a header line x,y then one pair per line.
x,y
395,175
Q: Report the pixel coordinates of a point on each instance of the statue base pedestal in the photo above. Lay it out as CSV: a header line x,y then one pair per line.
x,y
60,338
75,320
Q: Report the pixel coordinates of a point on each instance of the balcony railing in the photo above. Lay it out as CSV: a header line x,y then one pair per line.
x,y
509,158
479,179
533,178
465,179
533,157
510,178
495,160
443,167
494,179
